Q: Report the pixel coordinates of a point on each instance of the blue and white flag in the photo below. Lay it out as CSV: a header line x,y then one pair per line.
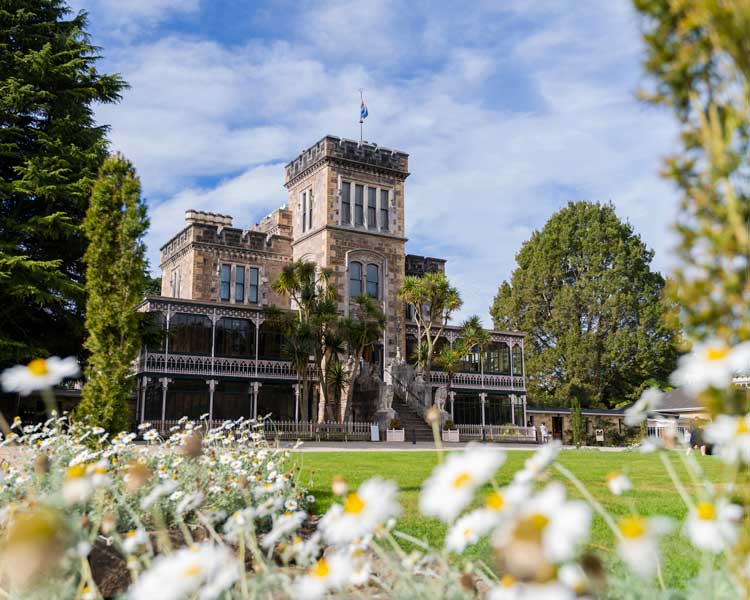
x,y
363,109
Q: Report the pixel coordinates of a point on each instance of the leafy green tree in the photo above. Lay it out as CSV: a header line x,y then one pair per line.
x,y
50,152
433,301
115,224
698,57
592,309
476,338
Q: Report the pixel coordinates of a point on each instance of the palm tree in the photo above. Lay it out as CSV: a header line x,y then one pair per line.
x,y
434,300
359,332
476,338
450,359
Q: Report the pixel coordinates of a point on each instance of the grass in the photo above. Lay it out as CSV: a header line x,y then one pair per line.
x,y
653,494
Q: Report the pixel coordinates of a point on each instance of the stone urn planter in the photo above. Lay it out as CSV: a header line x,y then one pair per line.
x,y
450,435
394,435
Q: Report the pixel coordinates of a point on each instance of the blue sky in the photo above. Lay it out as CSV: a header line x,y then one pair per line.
x,y
508,109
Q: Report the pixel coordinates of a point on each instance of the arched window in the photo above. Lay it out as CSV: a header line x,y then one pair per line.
x,y
517,360
498,359
373,281
355,279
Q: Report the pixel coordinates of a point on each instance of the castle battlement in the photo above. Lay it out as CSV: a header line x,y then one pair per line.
x,y
334,148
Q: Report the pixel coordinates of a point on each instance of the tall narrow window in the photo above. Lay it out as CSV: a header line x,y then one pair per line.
x,y
226,280
384,210
355,279
304,210
372,210
373,281
517,360
239,284
359,208
346,203
309,210
252,287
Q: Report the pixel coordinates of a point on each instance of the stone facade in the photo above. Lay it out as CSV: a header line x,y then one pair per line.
x,y
367,229
192,261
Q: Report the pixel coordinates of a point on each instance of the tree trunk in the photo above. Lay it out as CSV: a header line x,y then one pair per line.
x,y
348,396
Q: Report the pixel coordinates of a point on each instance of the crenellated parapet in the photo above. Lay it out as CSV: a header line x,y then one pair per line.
x,y
332,148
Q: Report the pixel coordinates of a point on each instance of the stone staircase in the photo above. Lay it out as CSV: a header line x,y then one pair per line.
x,y
412,423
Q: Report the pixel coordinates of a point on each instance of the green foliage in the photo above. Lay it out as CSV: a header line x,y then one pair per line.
x,y
50,152
433,301
450,358
591,307
698,55
115,224
576,422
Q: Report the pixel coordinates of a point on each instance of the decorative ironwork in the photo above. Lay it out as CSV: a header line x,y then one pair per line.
x,y
452,334
189,364
476,381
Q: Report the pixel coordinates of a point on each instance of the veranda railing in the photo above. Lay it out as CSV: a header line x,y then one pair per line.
x,y
497,433
286,430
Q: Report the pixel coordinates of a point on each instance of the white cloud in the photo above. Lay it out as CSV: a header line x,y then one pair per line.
x,y
124,19
483,177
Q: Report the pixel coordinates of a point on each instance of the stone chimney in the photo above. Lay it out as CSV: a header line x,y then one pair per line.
x,y
195,217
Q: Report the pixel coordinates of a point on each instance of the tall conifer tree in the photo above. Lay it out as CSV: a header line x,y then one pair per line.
x,y
50,152
115,224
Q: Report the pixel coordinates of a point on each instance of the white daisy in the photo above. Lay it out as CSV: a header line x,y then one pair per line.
x,y
511,589
649,402
39,374
731,434
711,364
546,523
451,486
77,485
283,526
639,542
472,526
159,490
329,573
712,526
134,539
203,571
618,483
362,512
538,463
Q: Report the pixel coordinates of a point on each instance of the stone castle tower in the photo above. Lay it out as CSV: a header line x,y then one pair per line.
x,y
347,205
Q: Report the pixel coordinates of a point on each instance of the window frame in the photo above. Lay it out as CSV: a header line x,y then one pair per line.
x,y
368,281
359,205
372,207
253,288
225,268
359,279
346,203
384,209
239,284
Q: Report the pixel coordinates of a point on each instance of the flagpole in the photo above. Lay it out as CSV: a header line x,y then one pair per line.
x,y
361,120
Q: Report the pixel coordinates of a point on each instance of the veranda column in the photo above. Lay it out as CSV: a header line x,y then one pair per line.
x,y
211,388
165,381
513,409
452,396
213,318
256,389
483,400
296,387
144,386
525,418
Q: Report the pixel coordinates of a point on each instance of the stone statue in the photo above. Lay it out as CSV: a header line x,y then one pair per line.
x,y
386,398
441,396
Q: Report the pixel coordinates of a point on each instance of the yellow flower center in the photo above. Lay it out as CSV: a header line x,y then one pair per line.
x,y
38,367
468,533
716,353
507,581
706,511
76,471
321,569
633,527
612,475
462,480
495,501
131,533
192,571
531,528
354,504
742,426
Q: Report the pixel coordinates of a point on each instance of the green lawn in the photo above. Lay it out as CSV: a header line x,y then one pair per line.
x,y
653,494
